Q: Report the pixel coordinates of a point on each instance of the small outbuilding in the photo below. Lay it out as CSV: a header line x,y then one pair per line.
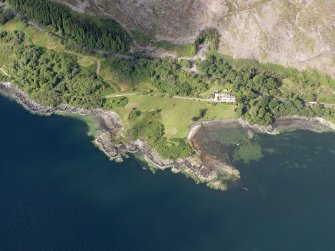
x,y
224,97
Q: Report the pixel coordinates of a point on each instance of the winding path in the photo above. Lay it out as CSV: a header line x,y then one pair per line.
x,y
322,53
124,95
4,72
173,97
98,67
237,11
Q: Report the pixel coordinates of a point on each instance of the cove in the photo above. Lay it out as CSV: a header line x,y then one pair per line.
x,y
59,192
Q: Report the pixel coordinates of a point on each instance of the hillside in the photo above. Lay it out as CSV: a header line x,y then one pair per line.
x,y
297,33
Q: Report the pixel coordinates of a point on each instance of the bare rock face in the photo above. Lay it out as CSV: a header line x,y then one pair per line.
x,y
299,33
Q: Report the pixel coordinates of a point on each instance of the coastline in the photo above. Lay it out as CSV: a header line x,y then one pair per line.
x,y
218,175
281,125
111,127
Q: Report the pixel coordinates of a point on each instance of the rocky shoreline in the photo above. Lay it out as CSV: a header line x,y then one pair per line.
x,y
111,127
283,124
38,109
218,175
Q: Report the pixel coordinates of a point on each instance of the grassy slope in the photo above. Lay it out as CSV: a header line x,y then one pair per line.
x,y
177,114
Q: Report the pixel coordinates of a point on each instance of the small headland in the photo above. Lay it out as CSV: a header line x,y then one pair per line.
x,y
214,170
109,138
229,140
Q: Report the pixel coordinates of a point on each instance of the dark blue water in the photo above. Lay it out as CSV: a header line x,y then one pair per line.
x,y
58,192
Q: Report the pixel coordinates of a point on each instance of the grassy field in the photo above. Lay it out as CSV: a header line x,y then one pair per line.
x,y
6,56
330,119
184,50
86,61
177,114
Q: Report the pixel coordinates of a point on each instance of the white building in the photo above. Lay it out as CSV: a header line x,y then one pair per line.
x,y
224,97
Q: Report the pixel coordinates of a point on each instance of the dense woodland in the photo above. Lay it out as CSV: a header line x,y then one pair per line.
x,y
6,15
257,87
164,75
88,32
53,78
210,36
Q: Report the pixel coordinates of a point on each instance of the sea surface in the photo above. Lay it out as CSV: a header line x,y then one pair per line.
x,y
59,192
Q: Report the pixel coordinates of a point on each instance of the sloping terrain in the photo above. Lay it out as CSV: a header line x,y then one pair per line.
x,y
296,33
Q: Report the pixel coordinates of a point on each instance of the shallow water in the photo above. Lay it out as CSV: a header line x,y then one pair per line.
x,y
59,192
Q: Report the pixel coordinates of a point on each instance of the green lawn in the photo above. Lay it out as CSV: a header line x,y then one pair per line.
x,y
330,119
184,50
6,56
177,114
88,62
